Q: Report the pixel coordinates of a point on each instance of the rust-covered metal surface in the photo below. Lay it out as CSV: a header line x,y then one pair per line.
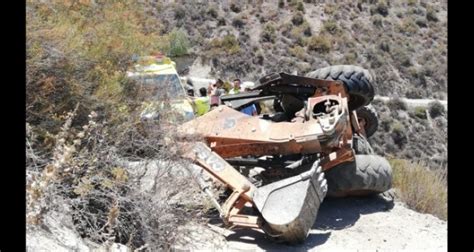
x,y
321,129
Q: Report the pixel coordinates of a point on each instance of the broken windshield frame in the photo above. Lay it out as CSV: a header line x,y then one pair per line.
x,y
161,86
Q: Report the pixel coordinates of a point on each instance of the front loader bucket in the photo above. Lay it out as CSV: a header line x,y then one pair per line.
x,y
290,206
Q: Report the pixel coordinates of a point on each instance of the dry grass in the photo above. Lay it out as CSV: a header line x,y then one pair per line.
x,y
87,177
422,189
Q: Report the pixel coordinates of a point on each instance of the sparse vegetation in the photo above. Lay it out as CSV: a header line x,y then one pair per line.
x,y
297,19
329,8
398,32
399,134
269,32
420,112
238,22
85,177
281,3
436,109
300,6
412,2
228,44
350,58
397,104
74,54
292,3
179,12
431,15
298,51
421,22
212,12
422,189
331,27
235,7
382,8
320,43
408,26
82,120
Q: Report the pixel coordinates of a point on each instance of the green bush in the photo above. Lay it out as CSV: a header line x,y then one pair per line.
x,y
238,22
306,29
235,7
408,25
227,45
436,109
179,43
399,134
420,112
331,27
350,57
298,18
297,31
400,56
292,3
329,8
212,12
384,46
376,60
179,13
377,21
281,3
221,21
382,8
300,7
298,52
320,43
269,32
431,15
397,104
421,22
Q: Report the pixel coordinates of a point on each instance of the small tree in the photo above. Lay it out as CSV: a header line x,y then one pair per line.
x,y
179,43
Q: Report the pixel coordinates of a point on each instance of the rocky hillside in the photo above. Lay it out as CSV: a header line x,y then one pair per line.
x,y
404,42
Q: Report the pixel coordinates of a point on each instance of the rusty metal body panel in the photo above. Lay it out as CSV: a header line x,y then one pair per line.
x,y
321,129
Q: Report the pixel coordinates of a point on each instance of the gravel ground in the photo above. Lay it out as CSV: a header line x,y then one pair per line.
x,y
351,224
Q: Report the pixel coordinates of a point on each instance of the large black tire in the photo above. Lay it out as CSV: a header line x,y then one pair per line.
x,y
357,80
368,175
371,118
361,146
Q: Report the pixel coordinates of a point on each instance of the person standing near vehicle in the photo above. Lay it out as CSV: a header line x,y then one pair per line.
x,y
215,91
202,103
236,87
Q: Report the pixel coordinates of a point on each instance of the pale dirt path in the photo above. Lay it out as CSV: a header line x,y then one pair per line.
x,y
354,224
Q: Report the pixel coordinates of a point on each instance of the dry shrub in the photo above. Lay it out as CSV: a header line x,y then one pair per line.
x,y
79,51
88,176
227,45
320,43
422,189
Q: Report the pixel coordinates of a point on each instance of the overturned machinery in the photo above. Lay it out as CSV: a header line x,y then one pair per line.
x,y
279,166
